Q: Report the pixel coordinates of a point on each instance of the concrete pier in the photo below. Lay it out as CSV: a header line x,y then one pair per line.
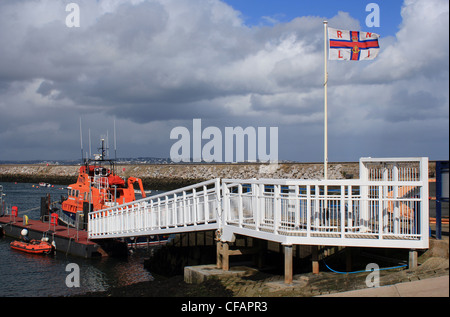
x,y
67,240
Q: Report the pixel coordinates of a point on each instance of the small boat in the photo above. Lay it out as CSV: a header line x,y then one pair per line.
x,y
137,242
34,246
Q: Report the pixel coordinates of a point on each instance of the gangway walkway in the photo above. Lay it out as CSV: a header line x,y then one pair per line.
x,y
386,207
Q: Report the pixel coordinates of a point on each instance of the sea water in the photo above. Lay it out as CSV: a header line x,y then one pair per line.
x,y
29,275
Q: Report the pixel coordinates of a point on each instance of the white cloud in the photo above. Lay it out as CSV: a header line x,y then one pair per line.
x,y
155,64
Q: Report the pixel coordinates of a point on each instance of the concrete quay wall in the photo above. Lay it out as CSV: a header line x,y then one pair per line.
x,y
172,176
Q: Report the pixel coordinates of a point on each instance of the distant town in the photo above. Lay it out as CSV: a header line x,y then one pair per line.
x,y
138,160
122,161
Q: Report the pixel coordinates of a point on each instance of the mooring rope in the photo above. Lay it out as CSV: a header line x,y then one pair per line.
x,y
24,211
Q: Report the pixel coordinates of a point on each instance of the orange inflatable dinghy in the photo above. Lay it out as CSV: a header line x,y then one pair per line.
x,y
34,246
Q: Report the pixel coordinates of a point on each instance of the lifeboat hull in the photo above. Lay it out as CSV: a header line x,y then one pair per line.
x,y
33,247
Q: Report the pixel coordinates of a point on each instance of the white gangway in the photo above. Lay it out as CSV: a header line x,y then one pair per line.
x,y
386,207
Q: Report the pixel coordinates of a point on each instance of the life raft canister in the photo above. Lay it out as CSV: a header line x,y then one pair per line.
x,y
14,211
54,219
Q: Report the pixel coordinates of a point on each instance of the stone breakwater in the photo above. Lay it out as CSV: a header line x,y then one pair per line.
x,y
171,176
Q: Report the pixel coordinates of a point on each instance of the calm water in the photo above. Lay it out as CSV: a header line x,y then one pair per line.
x,y
24,274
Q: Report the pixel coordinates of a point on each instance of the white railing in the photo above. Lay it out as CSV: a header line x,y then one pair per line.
x,y
190,208
386,207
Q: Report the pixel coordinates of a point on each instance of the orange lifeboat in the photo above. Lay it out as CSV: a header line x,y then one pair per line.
x,y
34,246
99,187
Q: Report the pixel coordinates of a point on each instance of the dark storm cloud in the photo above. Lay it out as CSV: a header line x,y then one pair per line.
x,y
153,65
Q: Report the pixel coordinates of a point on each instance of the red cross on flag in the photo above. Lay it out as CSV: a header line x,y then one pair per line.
x,y
352,45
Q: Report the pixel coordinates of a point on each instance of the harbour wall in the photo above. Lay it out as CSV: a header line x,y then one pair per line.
x,y
172,176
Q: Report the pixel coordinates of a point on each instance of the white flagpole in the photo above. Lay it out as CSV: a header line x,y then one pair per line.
x,y
325,159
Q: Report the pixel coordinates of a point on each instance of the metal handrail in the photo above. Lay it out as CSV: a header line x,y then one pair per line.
x,y
387,206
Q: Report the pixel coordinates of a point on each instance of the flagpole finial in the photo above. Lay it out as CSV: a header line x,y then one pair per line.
x,y
325,22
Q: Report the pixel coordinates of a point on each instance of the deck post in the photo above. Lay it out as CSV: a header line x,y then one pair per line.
x,y
223,256
219,254
315,259
288,264
262,248
348,259
412,263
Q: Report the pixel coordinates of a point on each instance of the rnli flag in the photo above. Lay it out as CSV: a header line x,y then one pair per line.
x,y
352,45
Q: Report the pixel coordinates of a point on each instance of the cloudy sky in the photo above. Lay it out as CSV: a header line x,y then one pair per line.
x,y
154,65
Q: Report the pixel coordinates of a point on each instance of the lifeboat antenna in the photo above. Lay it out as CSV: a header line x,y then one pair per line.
x,y
90,154
107,144
81,142
115,144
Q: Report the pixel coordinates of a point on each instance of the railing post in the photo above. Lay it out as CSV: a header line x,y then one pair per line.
x,y
395,204
349,214
254,202
194,205
152,215
218,203
424,204
240,211
380,212
159,213
166,198
259,196
206,205
185,215
342,211
364,192
277,207
297,206
175,210
316,207
308,211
